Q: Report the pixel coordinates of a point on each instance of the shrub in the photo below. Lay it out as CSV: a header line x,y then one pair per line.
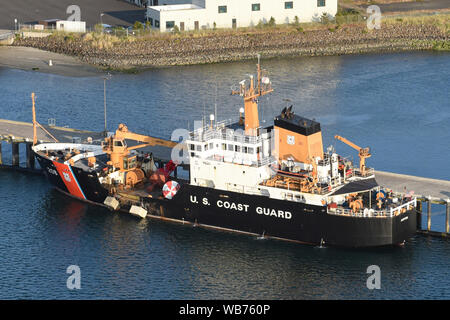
x,y
271,22
138,26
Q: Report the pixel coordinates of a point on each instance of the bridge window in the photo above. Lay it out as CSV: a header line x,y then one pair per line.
x,y
230,147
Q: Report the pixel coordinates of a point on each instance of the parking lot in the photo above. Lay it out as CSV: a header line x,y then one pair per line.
x,y
116,12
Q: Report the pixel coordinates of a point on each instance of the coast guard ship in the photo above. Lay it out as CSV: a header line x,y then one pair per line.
x,y
275,182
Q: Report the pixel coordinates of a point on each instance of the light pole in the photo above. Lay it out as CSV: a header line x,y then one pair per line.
x,y
106,77
15,25
101,20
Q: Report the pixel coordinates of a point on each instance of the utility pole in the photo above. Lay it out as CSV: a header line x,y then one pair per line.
x,y
106,77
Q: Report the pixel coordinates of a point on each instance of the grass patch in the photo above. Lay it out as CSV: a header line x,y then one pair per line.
x,y
441,45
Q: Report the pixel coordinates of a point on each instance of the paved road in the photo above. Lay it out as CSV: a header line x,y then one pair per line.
x,y
117,12
412,6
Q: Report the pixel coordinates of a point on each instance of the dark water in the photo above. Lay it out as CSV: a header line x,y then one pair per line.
x,y
396,104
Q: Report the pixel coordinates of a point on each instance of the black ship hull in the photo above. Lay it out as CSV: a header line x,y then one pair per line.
x,y
253,214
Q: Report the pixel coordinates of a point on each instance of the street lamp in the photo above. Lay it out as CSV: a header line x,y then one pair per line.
x,y
101,20
105,77
15,25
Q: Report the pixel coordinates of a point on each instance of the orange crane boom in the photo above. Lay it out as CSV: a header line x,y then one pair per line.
x,y
363,153
116,147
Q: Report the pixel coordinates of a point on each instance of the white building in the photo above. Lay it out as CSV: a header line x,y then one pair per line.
x,y
205,14
71,26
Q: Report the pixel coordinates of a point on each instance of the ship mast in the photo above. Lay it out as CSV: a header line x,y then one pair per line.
x,y
251,95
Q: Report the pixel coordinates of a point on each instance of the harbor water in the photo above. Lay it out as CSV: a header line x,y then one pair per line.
x,y
396,104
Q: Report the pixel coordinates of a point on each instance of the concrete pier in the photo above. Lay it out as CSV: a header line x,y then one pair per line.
x,y
425,188
16,132
429,191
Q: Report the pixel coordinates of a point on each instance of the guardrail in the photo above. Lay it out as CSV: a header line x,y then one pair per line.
x,y
6,35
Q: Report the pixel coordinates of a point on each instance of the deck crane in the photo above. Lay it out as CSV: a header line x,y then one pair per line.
x,y
364,153
118,151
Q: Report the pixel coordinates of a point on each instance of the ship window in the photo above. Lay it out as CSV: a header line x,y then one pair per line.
x,y
192,154
132,163
224,146
256,7
289,5
258,150
199,148
250,150
125,163
192,146
118,143
237,148
206,147
222,9
321,3
230,147
244,150
211,145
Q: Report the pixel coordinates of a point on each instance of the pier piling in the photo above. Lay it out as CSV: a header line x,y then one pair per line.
x,y
30,155
419,215
429,214
15,154
1,157
447,217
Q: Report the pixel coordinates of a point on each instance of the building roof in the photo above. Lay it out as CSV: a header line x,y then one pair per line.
x,y
176,7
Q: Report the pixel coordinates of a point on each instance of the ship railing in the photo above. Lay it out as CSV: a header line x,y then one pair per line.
x,y
218,126
242,161
368,213
361,213
357,173
266,161
408,206
220,131
223,135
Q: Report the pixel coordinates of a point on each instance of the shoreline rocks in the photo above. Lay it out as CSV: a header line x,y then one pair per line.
x,y
188,49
